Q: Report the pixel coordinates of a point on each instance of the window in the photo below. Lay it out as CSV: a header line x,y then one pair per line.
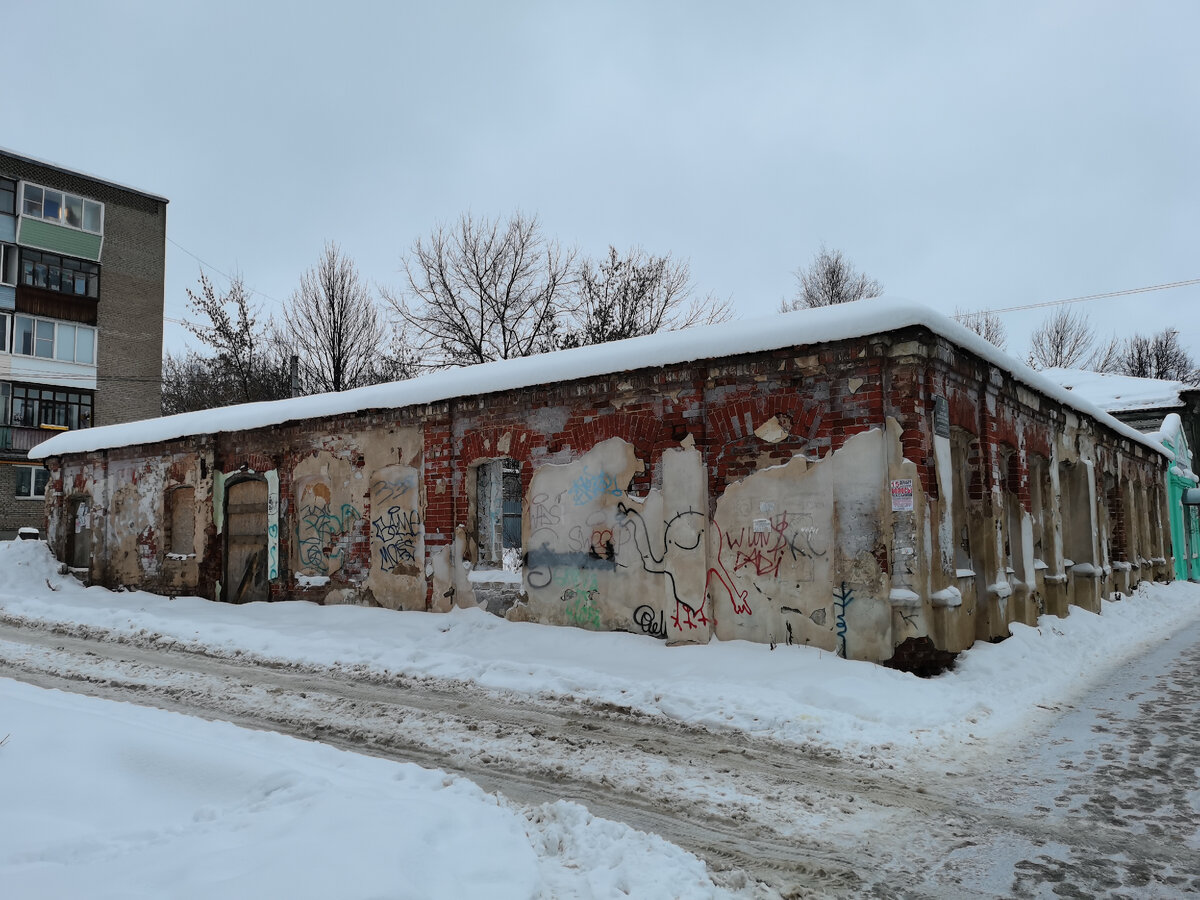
x,y
963,463
31,482
8,264
5,402
47,339
5,329
498,509
62,209
181,504
59,273
8,196
35,406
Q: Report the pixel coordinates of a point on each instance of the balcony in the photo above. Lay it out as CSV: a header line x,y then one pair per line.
x,y
20,439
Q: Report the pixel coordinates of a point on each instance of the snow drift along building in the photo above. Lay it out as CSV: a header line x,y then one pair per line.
x,y
871,479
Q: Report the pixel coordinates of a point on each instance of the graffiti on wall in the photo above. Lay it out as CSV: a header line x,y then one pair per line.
x,y
842,597
396,527
682,543
320,532
396,531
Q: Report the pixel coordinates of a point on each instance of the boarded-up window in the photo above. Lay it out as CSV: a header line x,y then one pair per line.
x,y
1040,494
961,461
498,509
182,503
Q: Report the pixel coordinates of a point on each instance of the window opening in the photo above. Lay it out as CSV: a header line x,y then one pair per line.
x,y
498,508
182,503
47,339
8,264
62,209
31,482
52,272
8,196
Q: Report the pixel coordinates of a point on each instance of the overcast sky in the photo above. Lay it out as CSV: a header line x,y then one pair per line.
x,y
966,155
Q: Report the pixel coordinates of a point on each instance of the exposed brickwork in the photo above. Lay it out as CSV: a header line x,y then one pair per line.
x,y
817,397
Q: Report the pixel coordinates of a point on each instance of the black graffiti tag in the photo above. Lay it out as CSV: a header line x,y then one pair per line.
x,y
643,617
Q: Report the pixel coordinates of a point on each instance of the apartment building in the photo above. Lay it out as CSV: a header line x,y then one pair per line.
x,y
82,264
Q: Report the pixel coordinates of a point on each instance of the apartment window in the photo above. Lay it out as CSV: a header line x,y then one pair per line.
x,y
31,482
35,406
5,329
47,339
51,272
8,196
8,264
54,206
5,402
498,509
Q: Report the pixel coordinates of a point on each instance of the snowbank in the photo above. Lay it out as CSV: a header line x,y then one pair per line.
x,y
106,799
794,694
794,329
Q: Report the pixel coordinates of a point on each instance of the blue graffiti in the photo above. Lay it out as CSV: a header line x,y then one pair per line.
x,y
587,487
842,598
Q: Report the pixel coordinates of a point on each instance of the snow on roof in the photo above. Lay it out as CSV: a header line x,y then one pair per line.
x,y
793,329
1119,393
51,165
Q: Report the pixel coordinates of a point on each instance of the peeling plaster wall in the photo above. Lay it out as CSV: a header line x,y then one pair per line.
x,y
793,497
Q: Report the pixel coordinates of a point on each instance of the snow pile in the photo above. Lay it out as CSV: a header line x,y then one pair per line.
x,y
794,329
106,799
795,694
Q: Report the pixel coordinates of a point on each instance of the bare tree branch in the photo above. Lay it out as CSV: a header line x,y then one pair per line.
x,y
484,290
624,297
1064,340
1158,356
830,279
334,326
986,324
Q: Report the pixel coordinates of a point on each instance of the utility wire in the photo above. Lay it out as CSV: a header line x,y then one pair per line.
x,y
226,275
1089,297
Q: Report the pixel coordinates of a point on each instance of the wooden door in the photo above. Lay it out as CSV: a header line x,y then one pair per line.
x,y
245,542
79,534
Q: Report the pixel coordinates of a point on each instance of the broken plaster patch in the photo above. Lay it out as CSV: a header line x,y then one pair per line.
x,y
772,431
855,384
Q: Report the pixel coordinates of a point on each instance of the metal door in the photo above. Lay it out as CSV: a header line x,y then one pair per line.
x,y
245,542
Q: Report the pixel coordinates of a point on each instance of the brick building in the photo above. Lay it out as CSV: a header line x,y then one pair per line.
x,y
81,315
871,479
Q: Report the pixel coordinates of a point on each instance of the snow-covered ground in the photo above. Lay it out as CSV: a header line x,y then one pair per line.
x,y
796,694
106,799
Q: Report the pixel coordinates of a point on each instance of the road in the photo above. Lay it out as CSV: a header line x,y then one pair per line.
x,y
1105,800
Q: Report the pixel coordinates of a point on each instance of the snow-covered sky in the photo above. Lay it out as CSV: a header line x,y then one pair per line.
x,y
973,155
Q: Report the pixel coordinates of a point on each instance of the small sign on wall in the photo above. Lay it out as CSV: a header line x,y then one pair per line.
x,y
902,495
941,417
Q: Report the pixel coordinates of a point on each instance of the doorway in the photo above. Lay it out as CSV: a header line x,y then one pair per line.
x,y
246,577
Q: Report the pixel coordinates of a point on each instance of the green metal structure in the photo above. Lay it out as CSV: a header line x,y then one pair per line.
x,y
1185,519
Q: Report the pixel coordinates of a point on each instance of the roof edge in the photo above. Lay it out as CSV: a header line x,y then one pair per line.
x,y
33,160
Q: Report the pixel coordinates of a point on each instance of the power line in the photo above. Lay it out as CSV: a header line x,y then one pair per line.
x,y
1089,297
226,275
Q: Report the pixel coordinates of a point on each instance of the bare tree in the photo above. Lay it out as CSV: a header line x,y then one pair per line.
x,y
333,324
986,324
830,279
1106,357
243,354
623,297
243,367
1064,340
483,290
1158,356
